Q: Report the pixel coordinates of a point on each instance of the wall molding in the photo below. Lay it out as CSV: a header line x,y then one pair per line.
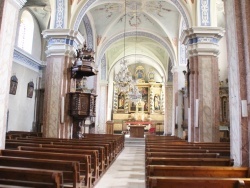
x,y
22,58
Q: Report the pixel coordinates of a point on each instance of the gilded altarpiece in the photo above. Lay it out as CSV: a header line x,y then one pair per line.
x,y
126,109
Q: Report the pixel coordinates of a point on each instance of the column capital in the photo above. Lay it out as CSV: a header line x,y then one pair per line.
x,y
62,41
202,40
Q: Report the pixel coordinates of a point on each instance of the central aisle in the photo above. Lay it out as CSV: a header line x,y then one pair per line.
x,y
127,171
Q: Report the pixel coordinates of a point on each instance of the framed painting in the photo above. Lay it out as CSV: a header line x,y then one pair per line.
x,y
144,90
30,89
13,85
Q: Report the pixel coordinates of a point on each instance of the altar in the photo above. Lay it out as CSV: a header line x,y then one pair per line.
x,y
136,128
137,131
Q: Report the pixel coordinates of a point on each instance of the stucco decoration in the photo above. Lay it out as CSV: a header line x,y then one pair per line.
x,y
205,13
60,6
103,67
88,28
27,61
183,48
91,2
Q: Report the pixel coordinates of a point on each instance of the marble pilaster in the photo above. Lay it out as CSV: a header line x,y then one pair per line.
x,y
204,82
238,30
8,26
62,44
168,109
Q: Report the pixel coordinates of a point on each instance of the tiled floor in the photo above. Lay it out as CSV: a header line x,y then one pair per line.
x,y
127,171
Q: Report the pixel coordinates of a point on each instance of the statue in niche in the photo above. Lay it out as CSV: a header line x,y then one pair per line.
x,y
121,100
157,102
133,106
146,106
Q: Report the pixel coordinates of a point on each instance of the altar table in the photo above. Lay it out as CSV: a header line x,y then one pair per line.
x,y
137,131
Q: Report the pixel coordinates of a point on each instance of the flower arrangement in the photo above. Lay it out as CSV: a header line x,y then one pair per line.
x,y
125,132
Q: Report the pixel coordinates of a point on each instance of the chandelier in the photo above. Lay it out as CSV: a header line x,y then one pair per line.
x,y
134,94
123,78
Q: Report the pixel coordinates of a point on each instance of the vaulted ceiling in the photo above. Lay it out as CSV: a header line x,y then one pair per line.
x,y
152,28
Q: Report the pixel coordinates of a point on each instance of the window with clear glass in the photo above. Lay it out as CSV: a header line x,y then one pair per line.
x,y
26,30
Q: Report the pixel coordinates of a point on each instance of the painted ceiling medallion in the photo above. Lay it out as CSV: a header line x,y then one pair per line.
x,y
136,10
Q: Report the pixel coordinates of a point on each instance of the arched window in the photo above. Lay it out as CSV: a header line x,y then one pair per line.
x,y
26,30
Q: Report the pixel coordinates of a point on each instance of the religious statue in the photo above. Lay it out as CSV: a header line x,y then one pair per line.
x,y
157,102
121,100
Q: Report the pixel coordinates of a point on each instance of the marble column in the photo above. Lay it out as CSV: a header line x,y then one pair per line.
x,y
168,109
204,82
175,100
9,10
238,49
62,44
102,110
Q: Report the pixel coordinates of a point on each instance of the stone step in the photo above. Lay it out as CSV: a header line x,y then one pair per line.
x,y
134,142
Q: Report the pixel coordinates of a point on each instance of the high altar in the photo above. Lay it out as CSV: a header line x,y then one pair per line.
x,y
146,112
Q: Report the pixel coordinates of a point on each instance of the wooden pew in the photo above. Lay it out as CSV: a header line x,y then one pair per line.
x,y
101,151
93,153
198,171
13,144
119,139
22,134
26,177
189,161
70,169
222,152
182,155
9,144
84,160
197,182
186,146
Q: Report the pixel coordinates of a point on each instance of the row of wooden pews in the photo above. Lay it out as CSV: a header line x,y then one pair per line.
x,y
22,134
81,162
173,162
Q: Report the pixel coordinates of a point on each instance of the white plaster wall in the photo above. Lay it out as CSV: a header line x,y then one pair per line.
x,y
181,77
21,108
37,45
222,60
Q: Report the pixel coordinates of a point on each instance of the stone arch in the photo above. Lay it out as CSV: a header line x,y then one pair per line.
x,y
143,34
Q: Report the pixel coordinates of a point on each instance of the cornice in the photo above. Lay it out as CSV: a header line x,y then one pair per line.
x,y
21,57
197,34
